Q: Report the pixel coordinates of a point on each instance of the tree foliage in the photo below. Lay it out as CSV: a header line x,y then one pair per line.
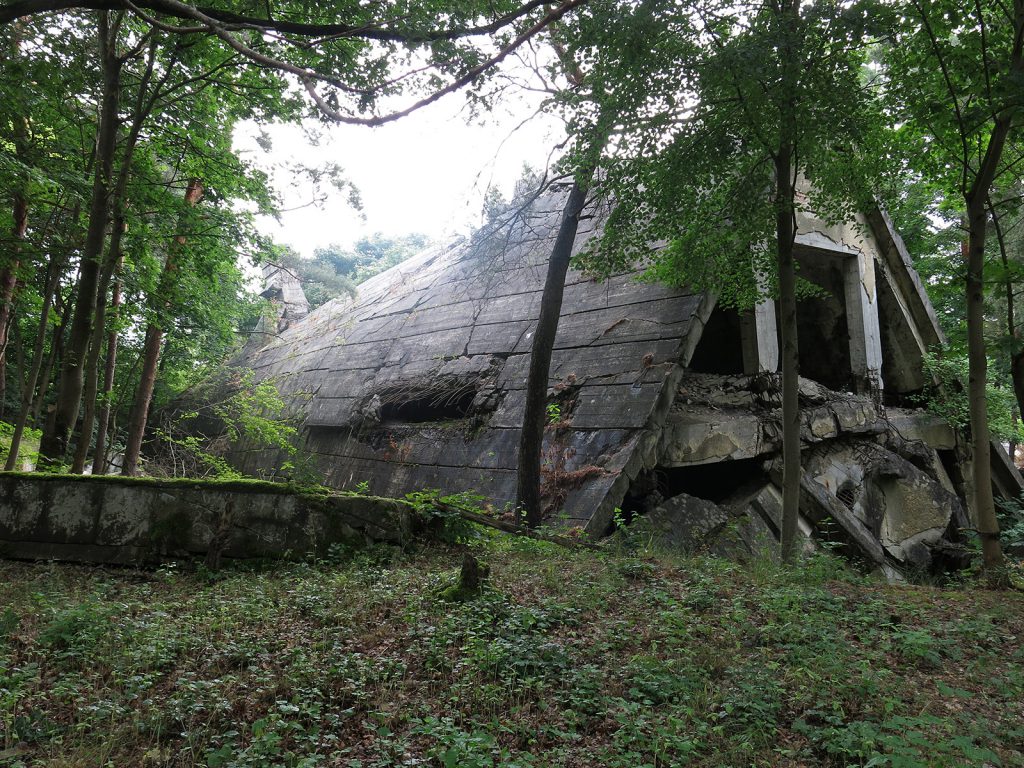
x,y
693,166
957,81
335,271
345,56
157,88
739,117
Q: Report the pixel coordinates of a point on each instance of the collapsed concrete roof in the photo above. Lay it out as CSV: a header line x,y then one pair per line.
x,y
418,381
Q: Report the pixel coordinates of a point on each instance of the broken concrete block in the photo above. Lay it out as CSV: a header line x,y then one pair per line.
x,y
682,523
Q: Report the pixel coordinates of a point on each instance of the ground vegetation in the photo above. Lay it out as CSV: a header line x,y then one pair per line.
x,y
564,657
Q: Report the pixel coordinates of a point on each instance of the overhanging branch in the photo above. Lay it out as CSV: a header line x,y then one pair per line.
x,y
309,79
233,21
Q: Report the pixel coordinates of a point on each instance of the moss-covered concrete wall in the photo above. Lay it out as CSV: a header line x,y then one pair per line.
x,y
140,521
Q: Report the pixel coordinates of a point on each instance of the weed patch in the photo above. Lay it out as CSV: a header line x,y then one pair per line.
x,y
564,658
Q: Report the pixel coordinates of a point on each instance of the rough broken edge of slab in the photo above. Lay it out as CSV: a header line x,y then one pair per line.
x,y
644,455
1005,476
893,249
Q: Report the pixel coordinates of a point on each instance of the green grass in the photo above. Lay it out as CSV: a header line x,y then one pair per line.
x,y
28,452
567,659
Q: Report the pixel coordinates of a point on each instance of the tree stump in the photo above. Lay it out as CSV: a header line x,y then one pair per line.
x,y
472,578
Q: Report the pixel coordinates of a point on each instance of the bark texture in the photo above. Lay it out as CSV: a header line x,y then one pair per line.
x,y
91,384
8,284
791,468
19,231
528,497
54,444
99,459
974,256
785,231
53,271
111,267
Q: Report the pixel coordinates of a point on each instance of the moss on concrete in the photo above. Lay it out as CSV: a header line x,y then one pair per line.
x,y
139,519
244,485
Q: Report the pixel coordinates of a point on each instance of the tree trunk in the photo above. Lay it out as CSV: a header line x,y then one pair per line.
x,y
1013,337
54,444
984,503
528,496
52,276
151,350
975,198
143,396
8,282
91,373
1017,377
52,359
17,336
99,458
111,267
785,234
19,211
791,469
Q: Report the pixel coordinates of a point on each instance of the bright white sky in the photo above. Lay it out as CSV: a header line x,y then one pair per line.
x,y
427,172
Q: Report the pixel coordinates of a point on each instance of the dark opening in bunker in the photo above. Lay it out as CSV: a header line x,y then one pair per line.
x,y
440,406
901,354
848,494
720,349
714,482
824,338
954,471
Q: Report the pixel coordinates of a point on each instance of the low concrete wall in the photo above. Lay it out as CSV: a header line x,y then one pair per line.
x,y
140,521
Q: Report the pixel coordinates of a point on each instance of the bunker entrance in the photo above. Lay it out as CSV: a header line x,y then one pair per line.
x,y
720,349
714,482
822,329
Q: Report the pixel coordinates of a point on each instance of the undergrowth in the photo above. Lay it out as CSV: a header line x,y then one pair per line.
x,y
566,658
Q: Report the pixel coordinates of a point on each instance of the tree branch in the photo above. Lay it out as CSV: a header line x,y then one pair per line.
x,y
953,97
467,78
234,21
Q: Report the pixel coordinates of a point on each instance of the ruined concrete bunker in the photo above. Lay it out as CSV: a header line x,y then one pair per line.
x,y
662,402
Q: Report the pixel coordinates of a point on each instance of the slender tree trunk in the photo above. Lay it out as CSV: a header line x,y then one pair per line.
x,y
111,267
52,360
984,503
54,444
91,386
52,276
19,230
785,232
791,469
1013,337
974,256
17,336
143,396
151,350
108,451
8,283
531,440
1017,377
99,459
1016,355
975,197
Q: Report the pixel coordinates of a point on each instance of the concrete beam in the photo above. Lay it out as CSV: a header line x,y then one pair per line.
x,y
760,338
862,321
